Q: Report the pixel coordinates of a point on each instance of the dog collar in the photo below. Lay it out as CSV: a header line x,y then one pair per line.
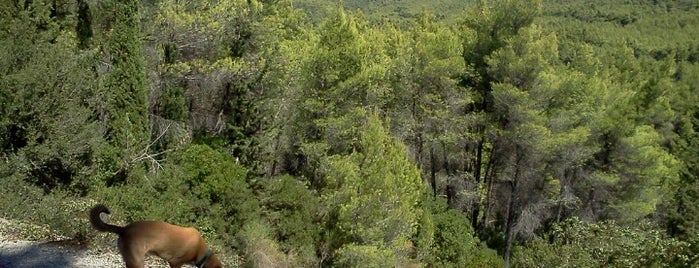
x,y
200,263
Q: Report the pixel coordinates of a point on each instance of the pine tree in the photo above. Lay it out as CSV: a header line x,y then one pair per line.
x,y
125,88
374,194
488,28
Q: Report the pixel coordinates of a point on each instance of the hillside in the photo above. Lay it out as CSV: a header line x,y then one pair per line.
x,y
520,133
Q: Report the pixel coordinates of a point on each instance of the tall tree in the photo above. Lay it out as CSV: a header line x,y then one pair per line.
x,y
126,111
488,28
333,93
522,143
373,193
428,103
84,25
684,214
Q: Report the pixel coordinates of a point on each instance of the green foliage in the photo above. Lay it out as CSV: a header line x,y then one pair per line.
x,y
453,239
424,100
540,253
216,177
83,28
445,239
292,210
605,244
260,249
45,120
492,24
143,200
353,255
125,89
217,76
202,188
374,192
40,216
455,244
654,170
397,12
336,83
246,120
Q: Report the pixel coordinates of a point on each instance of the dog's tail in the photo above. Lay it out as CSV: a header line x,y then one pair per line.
x,y
100,225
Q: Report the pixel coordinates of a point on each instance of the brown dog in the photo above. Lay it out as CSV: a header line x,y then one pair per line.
x,y
177,245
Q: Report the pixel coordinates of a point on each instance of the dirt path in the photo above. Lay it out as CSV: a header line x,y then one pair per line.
x,y
17,253
27,254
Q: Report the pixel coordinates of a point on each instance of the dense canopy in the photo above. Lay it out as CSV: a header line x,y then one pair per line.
x,y
370,133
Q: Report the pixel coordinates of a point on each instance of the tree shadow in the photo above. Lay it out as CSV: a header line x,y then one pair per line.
x,y
37,255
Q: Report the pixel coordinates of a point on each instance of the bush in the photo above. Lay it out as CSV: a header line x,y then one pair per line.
x,y
220,185
353,255
292,210
453,238
541,253
604,244
454,242
198,186
259,249
40,216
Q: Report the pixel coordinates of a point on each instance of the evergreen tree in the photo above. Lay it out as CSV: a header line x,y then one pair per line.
x,y
46,98
332,94
84,24
425,101
488,28
522,143
373,194
125,89
683,220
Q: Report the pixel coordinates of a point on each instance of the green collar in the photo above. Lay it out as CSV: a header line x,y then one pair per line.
x,y
200,263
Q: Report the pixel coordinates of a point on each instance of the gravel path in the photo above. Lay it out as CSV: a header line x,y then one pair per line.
x,y
28,254
15,253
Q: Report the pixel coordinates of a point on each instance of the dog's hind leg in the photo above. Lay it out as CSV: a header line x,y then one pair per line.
x,y
132,258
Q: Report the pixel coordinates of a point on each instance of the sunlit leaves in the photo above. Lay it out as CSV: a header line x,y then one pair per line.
x,y
375,191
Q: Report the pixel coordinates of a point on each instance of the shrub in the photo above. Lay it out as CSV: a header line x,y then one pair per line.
x,y
454,244
220,183
259,249
453,239
541,253
604,244
198,186
292,210
43,217
353,255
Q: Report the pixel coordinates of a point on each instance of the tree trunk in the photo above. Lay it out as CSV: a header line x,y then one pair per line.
x,y
475,209
488,180
418,149
561,192
275,161
433,172
512,211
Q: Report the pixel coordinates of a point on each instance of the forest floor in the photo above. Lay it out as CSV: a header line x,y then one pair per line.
x,y
17,252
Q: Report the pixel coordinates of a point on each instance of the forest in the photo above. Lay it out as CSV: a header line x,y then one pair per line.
x,y
363,133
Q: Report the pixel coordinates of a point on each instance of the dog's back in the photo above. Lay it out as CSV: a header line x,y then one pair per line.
x,y
177,245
